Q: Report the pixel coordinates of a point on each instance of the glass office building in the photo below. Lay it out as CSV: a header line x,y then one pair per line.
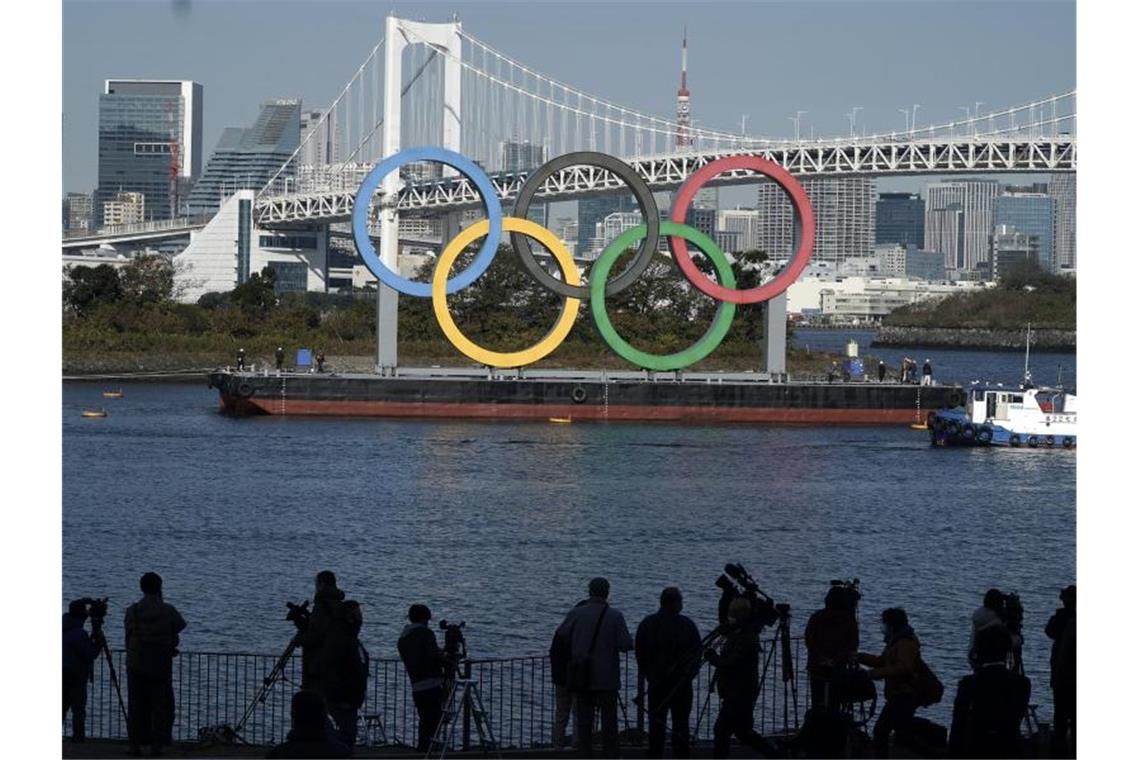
x,y
1032,215
150,142
900,219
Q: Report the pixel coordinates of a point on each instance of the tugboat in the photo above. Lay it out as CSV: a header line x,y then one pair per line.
x,y
995,416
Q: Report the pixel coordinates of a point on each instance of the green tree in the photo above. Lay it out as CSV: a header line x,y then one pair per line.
x,y
148,279
86,287
258,293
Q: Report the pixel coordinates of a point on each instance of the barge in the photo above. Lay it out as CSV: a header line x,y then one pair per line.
x,y
566,394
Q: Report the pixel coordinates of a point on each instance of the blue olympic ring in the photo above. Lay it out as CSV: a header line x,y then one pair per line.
x,y
461,164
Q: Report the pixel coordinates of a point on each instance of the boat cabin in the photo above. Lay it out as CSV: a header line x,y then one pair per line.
x,y
1003,404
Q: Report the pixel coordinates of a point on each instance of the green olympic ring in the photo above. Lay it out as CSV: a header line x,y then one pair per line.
x,y
708,342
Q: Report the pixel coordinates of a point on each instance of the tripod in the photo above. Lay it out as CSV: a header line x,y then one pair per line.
x,y
783,635
463,699
97,632
231,735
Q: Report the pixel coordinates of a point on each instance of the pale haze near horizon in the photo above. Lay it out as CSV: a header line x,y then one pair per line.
x,y
760,60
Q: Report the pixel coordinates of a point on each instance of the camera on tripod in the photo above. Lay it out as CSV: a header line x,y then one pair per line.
x,y
454,645
1012,613
736,583
96,612
299,614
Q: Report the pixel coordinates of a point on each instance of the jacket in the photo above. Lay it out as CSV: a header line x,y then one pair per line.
x,y
152,627
987,713
313,636
738,664
79,649
831,638
1062,629
897,665
665,640
613,638
423,659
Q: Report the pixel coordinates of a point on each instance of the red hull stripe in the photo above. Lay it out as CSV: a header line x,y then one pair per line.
x,y
579,412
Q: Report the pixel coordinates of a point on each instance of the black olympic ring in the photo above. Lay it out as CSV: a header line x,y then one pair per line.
x,y
641,192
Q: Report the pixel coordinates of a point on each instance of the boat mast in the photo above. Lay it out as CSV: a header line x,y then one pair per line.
x,y
1027,378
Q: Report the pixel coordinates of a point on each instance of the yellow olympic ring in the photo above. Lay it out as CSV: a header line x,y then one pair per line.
x,y
485,356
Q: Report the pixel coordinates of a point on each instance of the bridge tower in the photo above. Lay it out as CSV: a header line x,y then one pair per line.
x,y
398,35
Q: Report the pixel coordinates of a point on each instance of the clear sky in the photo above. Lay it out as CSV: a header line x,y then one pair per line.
x,y
765,60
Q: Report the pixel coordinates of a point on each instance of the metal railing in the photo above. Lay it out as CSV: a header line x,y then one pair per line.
x,y
214,689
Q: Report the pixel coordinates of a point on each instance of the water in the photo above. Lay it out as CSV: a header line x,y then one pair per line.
x,y
950,366
502,524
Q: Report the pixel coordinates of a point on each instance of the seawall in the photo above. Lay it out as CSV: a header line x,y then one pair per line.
x,y
975,339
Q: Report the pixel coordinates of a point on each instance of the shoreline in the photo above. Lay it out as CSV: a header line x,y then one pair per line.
x,y
975,339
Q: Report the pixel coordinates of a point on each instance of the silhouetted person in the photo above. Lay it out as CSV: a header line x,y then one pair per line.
x,y
882,370
79,652
832,639
330,658
563,696
597,634
985,617
426,664
152,627
832,371
665,640
310,735
1062,629
990,702
927,373
898,667
241,360
738,682
320,361
280,356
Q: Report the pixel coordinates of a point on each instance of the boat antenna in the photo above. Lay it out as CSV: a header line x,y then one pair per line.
x,y
1027,380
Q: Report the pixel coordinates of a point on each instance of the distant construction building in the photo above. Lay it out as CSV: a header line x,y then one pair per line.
x,y
78,212
844,210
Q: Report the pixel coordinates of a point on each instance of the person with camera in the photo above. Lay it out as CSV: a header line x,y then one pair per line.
x,y
832,640
664,641
152,627
1062,629
79,652
595,634
899,667
990,702
333,662
309,736
426,664
738,681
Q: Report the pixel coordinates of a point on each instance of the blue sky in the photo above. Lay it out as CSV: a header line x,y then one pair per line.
x,y
763,59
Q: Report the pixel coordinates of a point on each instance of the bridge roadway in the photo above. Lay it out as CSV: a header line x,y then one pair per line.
x,y
962,155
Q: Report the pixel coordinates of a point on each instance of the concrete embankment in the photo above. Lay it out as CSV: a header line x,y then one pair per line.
x,y
975,339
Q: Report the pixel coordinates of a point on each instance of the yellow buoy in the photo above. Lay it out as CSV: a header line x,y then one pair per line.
x,y
113,394
94,413
560,420
917,426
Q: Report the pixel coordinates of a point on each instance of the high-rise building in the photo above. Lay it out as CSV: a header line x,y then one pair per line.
x,y
703,219
150,142
1012,246
684,139
1031,214
900,219
124,208
246,159
745,222
78,212
521,155
974,199
593,210
1063,190
322,147
844,218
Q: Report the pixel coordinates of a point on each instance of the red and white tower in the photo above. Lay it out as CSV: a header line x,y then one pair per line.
x,y
684,135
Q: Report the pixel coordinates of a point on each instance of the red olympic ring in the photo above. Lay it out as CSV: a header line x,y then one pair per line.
x,y
801,206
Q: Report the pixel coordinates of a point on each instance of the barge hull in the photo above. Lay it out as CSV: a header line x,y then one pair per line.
x,y
635,401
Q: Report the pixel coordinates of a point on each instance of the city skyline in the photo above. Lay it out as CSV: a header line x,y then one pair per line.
x,y
129,40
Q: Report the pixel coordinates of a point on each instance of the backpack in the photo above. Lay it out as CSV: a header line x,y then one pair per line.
x,y
927,688
351,659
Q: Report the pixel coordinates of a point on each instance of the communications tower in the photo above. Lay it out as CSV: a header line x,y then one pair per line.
x,y
684,135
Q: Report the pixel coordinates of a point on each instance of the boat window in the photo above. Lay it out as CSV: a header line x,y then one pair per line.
x,y
979,394
1014,399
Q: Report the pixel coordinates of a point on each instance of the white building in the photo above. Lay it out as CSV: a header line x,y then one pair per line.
x,y
745,222
892,259
124,208
844,210
959,220
863,298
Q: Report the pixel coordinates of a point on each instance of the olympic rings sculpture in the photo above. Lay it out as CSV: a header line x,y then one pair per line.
x,y
570,287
